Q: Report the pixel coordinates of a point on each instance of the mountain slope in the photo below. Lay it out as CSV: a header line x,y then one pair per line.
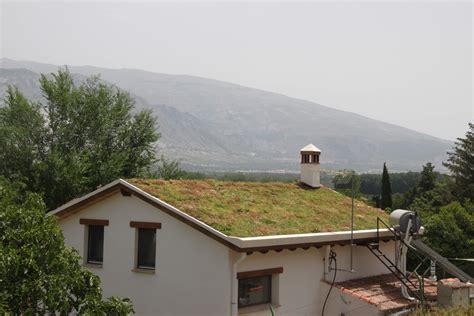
x,y
218,125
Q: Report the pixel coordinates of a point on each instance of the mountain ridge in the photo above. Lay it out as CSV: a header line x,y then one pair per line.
x,y
233,127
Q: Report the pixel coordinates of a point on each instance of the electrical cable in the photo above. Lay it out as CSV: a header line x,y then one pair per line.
x,y
332,257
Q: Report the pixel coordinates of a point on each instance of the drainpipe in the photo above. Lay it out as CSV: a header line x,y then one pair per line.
x,y
235,285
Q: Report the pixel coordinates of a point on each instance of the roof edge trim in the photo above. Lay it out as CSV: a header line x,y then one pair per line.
x,y
239,244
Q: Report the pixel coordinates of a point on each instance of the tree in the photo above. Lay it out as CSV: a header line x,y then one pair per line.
x,y
428,178
429,202
451,231
22,137
386,199
347,180
38,273
167,169
461,164
82,137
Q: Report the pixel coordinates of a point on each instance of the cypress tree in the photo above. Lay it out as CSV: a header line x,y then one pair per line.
x,y
386,200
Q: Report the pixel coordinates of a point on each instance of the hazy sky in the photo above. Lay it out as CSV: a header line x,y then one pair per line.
x,y
408,63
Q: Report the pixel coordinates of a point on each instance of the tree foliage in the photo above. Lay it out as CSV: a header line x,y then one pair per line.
x,y
22,137
428,178
38,273
461,164
347,180
451,231
167,169
83,136
386,195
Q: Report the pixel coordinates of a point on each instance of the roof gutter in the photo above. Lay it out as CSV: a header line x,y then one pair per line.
x,y
301,240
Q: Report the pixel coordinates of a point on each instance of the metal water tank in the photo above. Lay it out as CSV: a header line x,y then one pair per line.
x,y
400,219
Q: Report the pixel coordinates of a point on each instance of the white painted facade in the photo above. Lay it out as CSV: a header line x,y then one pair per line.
x,y
194,272
300,290
192,275
310,174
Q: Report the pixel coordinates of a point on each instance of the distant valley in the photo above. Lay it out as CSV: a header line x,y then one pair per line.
x,y
214,125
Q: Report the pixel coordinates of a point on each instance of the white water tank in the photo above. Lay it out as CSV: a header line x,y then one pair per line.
x,y
400,218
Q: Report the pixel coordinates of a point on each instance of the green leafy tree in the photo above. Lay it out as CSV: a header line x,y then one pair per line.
x,y
22,138
451,231
461,164
430,201
348,183
83,136
398,201
38,273
345,180
386,196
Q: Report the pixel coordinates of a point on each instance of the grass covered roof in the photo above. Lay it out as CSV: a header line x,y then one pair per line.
x,y
247,209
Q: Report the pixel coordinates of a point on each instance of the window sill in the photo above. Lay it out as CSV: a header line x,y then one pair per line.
x,y
92,265
146,271
256,308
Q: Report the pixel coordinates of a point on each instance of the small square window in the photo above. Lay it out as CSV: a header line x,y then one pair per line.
x,y
95,244
255,291
146,253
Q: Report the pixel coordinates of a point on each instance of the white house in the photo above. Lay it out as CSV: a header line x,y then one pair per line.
x,y
188,247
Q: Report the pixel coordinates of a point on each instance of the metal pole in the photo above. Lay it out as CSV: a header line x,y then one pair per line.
x,y
352,219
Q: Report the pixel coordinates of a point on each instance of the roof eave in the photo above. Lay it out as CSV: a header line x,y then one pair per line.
x,y
311,239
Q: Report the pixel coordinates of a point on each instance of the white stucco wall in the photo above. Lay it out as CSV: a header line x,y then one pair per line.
x,y
300,291
298,286
310,174
365,264
192,274
193,271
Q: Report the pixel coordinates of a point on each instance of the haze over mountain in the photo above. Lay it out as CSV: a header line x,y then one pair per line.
x,y
216,125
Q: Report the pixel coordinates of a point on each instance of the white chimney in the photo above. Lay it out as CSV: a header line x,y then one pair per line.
x,y
310,165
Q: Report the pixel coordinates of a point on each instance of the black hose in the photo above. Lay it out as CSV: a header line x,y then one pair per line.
x,y
332,257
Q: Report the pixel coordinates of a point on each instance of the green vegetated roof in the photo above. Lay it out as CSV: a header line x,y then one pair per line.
x,y
245,209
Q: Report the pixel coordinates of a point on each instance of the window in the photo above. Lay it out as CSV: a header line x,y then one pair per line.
x,y
95,244
146,252
94,240
255,291
258,287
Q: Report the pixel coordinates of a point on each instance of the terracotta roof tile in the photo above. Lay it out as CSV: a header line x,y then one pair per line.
x,y
384,291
